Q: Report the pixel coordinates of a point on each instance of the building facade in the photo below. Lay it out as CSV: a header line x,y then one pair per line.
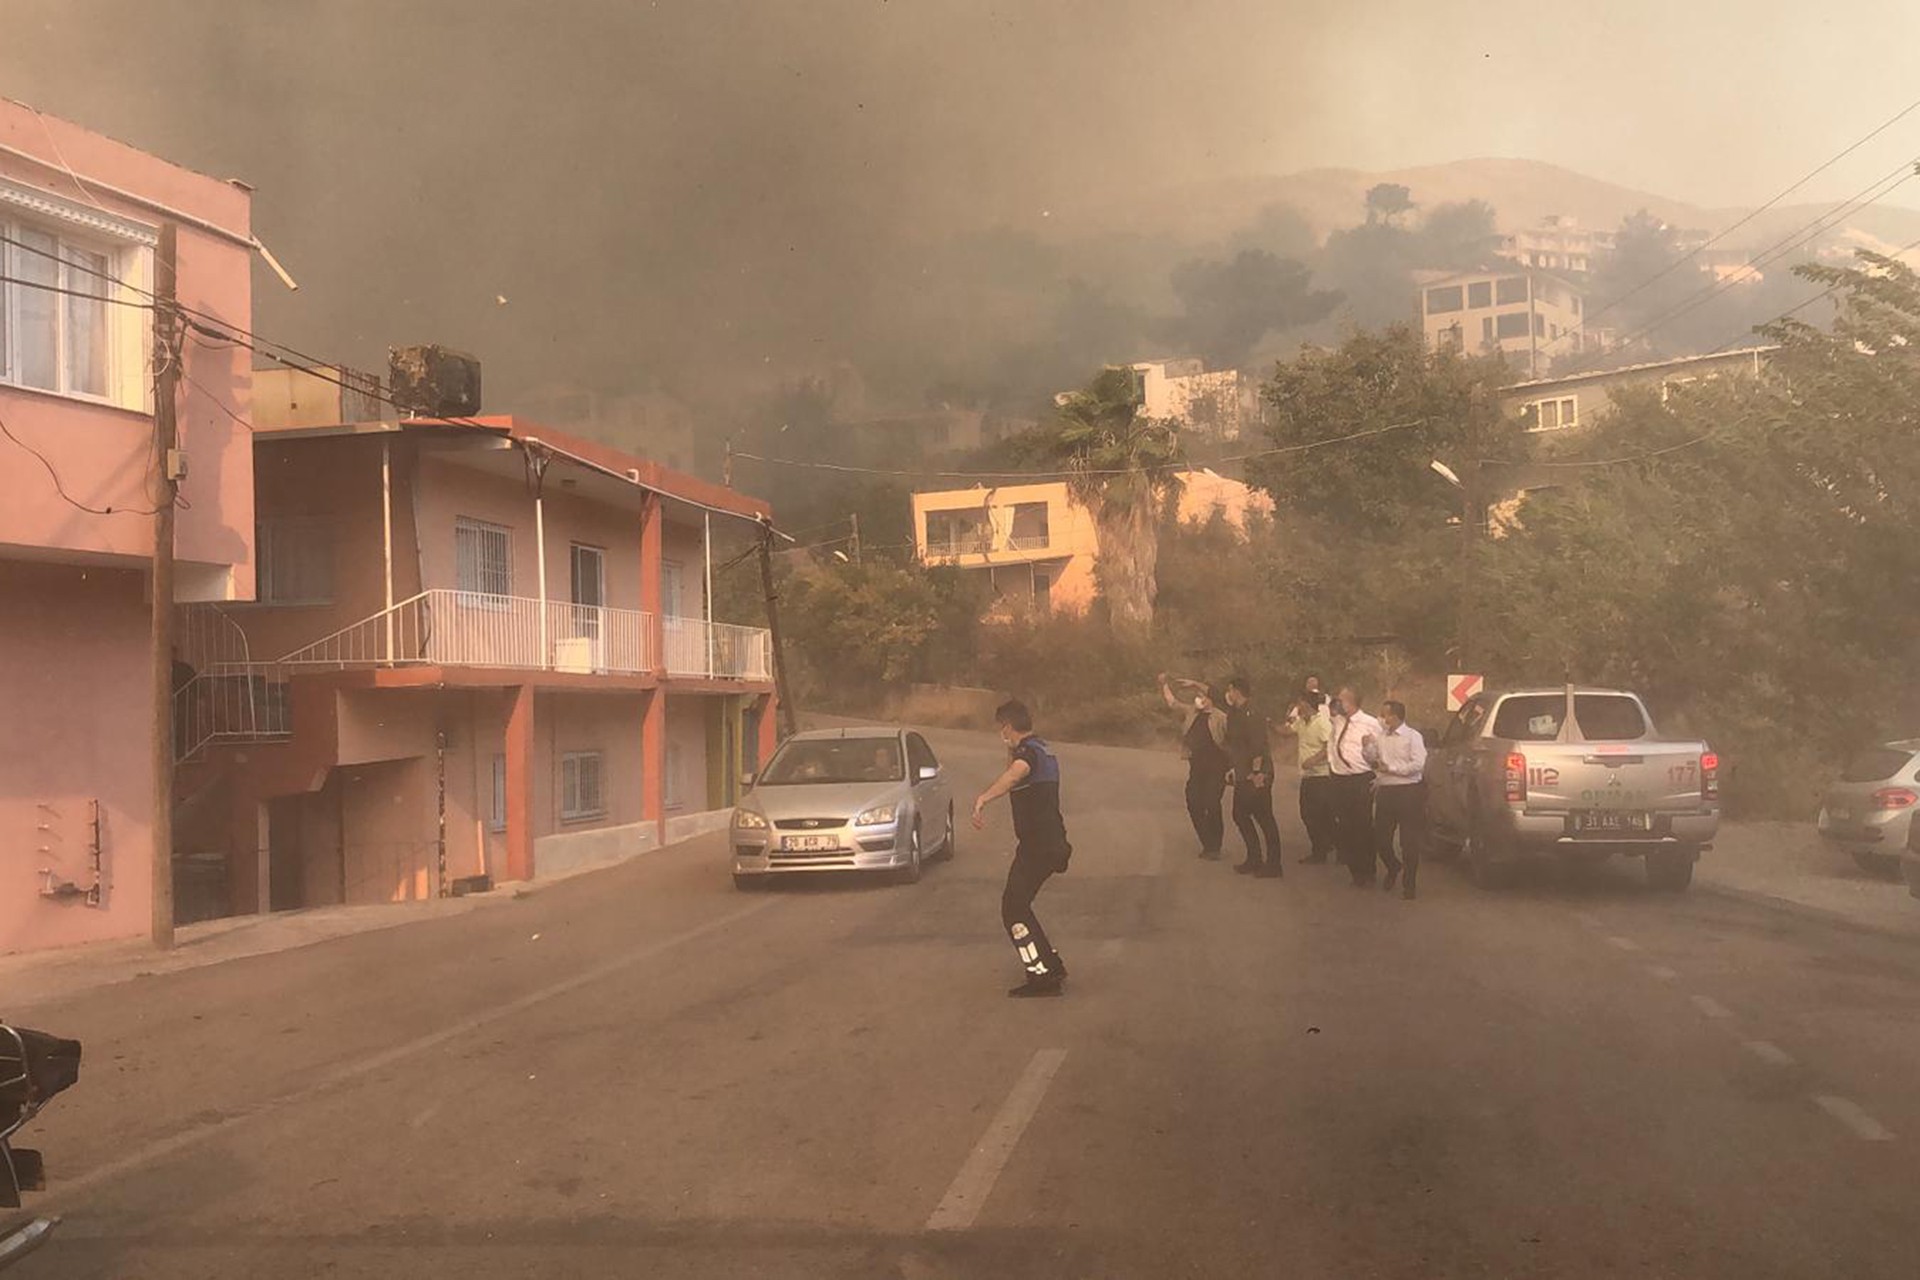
x,y
1220,404
1037,549
482,651
1529,316
1574,400
80,222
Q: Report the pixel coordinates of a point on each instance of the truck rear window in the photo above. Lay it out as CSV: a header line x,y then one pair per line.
x,y
1876,765
1604,717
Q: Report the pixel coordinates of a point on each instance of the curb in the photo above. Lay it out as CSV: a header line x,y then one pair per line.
x,y
1821,915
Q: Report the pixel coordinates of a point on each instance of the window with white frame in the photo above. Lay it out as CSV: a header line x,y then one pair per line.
x,y
62,282
1554,414
582,786
483,557
296,560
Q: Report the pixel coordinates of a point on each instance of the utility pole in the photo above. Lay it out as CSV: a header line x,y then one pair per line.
x,y
855,520
166,364
783,692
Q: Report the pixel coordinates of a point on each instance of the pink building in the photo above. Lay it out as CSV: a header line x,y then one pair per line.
x,y
80,216
480,649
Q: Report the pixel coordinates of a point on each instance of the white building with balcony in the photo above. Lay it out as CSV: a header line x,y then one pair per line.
x,y
481,649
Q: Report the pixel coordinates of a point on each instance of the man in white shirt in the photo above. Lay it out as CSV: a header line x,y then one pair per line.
x,y
1399,795
1353,730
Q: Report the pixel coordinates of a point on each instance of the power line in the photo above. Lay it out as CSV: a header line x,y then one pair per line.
x,y
1904,173
1070,473
74,293
1677,263
61,489
1827,292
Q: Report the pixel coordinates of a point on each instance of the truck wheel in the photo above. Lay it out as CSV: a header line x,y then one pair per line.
x,y
1489,859
1670,870
1884,865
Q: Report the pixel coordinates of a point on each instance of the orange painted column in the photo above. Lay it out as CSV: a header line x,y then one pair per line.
x,y
653,722
521,767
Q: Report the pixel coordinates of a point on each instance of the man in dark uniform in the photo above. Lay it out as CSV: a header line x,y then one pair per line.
x,y
1251,754
1040,851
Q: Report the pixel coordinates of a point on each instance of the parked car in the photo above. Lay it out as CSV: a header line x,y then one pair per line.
x,y
1869,811
844,800
1575,774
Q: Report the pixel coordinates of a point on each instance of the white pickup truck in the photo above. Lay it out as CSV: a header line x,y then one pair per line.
x,y
1575,774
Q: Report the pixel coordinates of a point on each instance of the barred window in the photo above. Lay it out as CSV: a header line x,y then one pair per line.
x,y
483,557
582,790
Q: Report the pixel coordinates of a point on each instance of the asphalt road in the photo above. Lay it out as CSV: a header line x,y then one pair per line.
x,y
642,1072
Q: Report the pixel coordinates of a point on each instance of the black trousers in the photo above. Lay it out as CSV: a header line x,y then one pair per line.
x,y
1024,878
1353,823
1402,809
1205,783
1317,815
1253,814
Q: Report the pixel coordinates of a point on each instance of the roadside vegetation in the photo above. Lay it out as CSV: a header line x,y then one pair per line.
x,y
1741,552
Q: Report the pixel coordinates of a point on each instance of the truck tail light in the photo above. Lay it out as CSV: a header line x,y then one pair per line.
x,y
1516,779
1709,776
1895,798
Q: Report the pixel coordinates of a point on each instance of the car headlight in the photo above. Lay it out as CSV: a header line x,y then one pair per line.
x,y
748,820
878,816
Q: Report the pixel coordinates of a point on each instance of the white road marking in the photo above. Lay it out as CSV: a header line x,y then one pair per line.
x,y
1625,944
1711,1007
1769,1053
1663,973
365,1065
1851,1115
961,1206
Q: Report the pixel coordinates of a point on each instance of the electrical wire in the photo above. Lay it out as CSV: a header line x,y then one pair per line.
x,y
1697,250
1794,310
60,488
1805,234
74,293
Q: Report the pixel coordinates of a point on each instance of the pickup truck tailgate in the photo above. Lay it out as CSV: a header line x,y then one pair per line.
x,y
1613,788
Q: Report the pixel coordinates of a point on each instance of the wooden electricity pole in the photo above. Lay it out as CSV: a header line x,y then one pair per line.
x,y
783,692
166,364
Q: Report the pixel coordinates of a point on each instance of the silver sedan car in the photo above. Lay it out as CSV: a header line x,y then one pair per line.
x,y
844,800
1869,811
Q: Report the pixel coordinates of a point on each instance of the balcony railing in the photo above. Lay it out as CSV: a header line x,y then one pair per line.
x,y
234,698
471,629
1027,542
720,650
961,544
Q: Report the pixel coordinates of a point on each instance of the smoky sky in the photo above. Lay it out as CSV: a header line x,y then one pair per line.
x,y
708,194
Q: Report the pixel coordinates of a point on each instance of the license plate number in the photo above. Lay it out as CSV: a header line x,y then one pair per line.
x,y
809,844
1610,820
1840,815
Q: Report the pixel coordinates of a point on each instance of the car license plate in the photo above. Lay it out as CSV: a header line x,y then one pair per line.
x,y
1840,815
809,844
1610,820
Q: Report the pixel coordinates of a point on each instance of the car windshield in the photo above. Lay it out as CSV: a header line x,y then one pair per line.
x,y
835,760
1876,765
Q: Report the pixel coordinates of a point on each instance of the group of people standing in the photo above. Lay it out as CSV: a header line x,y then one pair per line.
x,y
1362,778
1228,747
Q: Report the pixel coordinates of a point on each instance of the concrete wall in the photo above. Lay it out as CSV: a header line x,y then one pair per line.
x,y
75,682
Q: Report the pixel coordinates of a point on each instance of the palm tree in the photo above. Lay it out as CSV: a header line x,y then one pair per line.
x,y
1123,467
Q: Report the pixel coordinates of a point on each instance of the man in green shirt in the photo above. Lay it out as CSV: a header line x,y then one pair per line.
x,y
1312,730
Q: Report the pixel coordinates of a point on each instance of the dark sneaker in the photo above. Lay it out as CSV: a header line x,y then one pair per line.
x,y
1052,984
1211,855
1246,868
1269,870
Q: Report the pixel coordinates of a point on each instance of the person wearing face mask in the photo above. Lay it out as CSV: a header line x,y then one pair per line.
x,y
1203,745
1041,851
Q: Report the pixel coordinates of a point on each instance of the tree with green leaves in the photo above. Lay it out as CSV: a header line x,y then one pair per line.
x,y
1387,201
1123,467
